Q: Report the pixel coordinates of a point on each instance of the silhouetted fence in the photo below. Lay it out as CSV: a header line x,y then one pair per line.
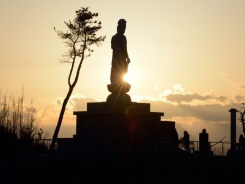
x,y
158,148
214,148
41,146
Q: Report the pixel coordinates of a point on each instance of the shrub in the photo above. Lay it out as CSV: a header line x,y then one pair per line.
x,y
19,126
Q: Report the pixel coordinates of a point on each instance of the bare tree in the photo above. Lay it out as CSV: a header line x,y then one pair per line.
x,y
242,113
79,38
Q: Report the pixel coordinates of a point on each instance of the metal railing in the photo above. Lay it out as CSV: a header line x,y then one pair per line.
x,y
217,148
41,146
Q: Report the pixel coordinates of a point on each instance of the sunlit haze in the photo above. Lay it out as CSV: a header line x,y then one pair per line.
x,y
187,59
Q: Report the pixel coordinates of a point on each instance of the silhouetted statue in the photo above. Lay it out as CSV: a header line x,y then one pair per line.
x,y
203,142
186,140
242,141
120,59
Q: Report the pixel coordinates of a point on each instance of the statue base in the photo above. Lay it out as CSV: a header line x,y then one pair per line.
x,y
118,98
119,88
120,127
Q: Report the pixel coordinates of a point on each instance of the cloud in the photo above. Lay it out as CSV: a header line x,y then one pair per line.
x,y
178,88
194,99
76,102
186,97
208,107
239,98
215,113
80,102
188,120
178,95
138,98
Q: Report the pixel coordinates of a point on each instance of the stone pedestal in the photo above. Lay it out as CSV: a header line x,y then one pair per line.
x,y
128,127
120,127
106,121
119,88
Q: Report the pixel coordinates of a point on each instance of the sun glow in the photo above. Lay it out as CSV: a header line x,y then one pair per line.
x,y
126,77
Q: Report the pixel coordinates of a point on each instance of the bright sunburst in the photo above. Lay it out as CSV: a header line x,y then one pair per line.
x,y
126,77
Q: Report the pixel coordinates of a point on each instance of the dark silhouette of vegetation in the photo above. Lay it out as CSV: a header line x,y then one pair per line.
x,y
79,38
241,144
19,126
242,113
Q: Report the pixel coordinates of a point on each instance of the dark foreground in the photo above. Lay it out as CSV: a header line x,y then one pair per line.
x,y
185,169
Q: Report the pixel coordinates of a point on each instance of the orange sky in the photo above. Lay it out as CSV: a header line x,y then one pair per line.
x,y
186,58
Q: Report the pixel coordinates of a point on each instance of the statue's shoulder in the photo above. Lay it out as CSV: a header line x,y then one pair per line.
x,y
118,37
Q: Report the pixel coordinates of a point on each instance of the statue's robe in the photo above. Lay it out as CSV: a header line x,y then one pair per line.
x,y
119,58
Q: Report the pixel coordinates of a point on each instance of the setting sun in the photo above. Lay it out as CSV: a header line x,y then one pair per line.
x,y
126,77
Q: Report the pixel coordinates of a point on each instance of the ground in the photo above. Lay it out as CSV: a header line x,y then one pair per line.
x,y
184,169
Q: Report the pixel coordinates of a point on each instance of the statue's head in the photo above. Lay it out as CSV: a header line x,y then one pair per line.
x,y
121,26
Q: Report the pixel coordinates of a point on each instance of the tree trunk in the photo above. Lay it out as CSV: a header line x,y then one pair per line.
x,y
62,112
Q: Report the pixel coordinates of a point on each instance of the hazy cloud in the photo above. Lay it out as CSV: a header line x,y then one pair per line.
x,y
187,97
215,113
77,102
178,95
239,98
188,120
215,118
